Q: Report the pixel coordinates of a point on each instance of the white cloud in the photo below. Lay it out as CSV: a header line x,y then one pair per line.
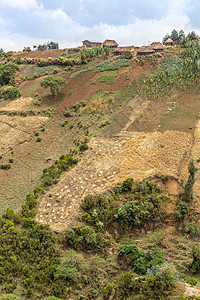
x,y
21,4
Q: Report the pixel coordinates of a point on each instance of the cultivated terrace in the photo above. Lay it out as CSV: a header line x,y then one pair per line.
x,y
99,174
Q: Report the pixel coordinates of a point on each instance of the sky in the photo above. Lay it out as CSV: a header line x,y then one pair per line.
x,y
26,23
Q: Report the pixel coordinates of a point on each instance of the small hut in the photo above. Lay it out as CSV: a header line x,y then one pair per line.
x,y
169,42
121,51
157,47
91,44
145,50
110,44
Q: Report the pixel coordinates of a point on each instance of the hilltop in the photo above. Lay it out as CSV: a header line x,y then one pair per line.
x,y
105,159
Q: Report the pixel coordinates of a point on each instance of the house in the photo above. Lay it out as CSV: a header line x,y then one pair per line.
x,y
145,50
121,51
91,44
169,42
157,47
110,44
177,41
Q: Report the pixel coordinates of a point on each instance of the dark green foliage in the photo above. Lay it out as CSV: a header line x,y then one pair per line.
x,y
7,72
10,92
182,211
127,184
194,267
103,210
5,166
29,254
50,175
144,208
36,133
38,139
83,147
84,238
143,288
193,229
139,260
191,281
99,210
53,82
11,160
188,189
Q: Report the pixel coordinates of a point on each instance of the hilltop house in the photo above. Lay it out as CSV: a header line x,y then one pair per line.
x,y
110,44
169,42
145,50
121,51
91,44
157,46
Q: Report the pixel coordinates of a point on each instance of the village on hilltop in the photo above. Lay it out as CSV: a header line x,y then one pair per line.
x,y
143,50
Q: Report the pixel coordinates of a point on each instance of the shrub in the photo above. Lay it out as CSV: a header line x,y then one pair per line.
x,y
127,184
5,166
83,147
36,133
8,297
194,267
139,260
10,93
11,160
38,139
191,281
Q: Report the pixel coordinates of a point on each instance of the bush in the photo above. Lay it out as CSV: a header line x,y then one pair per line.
x,y
8,297
11,160
38,139
139,260
5,166
127,184
83,147
191,281
10,93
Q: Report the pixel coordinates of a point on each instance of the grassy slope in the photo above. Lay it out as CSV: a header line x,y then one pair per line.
x,y
97,110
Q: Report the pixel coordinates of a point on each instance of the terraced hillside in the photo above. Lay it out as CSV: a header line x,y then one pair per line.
x,y
95,185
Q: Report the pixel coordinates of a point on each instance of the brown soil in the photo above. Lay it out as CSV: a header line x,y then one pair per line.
x,y
40,54
108,162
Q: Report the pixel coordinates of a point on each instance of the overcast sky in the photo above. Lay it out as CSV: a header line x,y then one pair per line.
x,y
69,22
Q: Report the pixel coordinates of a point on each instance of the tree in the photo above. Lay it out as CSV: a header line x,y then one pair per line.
x,y
53,83
7,72
181,34
165,38
1,51
52,45
174,34
192,35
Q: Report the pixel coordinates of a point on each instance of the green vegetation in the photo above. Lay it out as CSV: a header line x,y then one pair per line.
x,y
53,82
7,72
36,72
108,78
108,65
174,74
10,92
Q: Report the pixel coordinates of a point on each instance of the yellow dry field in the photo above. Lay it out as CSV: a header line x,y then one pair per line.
x,y
15,130
21,104
110,161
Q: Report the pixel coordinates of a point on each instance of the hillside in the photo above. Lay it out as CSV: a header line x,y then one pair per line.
x,y
101,196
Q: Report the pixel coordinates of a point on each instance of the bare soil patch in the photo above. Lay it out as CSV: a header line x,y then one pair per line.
x,y
108,162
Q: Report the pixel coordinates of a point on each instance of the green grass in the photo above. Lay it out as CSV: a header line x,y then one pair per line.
x,y
108,78
39,71
108,65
